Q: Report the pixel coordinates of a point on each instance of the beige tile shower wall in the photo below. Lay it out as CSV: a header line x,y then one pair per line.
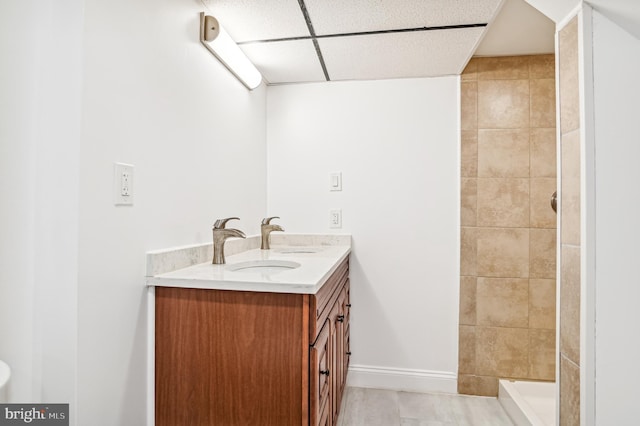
x,y
508,235
570,224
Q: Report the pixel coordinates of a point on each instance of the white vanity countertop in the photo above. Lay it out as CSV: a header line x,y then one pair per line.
x,y
317,263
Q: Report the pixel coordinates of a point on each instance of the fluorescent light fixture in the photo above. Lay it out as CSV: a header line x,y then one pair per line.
x,y
218,41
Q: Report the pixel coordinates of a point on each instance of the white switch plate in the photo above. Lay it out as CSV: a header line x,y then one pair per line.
x,y
335,218
123,184
335,181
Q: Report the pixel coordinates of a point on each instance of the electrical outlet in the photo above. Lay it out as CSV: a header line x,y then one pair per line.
x,y
123,184
335,218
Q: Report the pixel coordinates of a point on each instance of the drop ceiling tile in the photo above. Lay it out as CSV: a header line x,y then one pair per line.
x,y
248,20
286,61
414,54
342,16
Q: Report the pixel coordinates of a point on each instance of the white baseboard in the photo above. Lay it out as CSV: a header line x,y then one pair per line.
x,y
402,379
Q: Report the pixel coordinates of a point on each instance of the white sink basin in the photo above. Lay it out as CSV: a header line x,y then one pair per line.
x,y
263,266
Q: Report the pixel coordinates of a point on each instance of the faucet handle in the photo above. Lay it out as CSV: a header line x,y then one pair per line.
x,y
267,220
221,223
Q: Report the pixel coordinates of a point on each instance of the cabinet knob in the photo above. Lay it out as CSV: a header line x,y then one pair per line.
x,y
348,305
340,318
325,372
349,353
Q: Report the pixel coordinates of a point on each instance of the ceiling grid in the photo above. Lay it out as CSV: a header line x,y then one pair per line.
x,y
292,41
312,33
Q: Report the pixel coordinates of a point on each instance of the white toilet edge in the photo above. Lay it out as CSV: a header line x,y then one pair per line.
x,y
5,373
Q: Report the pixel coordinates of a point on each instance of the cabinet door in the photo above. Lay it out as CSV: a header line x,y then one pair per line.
x,y
336,348
230,358
340,321
347,333
321,377
343,352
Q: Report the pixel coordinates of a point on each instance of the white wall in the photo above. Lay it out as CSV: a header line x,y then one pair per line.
x,y
41,44
624,13
18,104
153,97
86,83
56,212
396,144
616,91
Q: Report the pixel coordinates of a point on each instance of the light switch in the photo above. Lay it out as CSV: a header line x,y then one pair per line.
x,y
335,181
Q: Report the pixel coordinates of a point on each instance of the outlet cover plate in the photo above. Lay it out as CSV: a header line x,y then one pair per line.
x,y
335,218
123,184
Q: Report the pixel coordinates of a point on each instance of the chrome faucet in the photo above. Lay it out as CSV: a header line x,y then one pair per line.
x,y
266,229
220,235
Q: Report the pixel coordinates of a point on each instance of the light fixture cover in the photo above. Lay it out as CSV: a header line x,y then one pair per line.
x,y
218,42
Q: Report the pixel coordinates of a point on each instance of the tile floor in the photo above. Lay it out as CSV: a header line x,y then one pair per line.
x,y
377,407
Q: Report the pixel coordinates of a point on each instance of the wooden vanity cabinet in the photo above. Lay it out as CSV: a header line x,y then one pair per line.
x,y
331,318
249,358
